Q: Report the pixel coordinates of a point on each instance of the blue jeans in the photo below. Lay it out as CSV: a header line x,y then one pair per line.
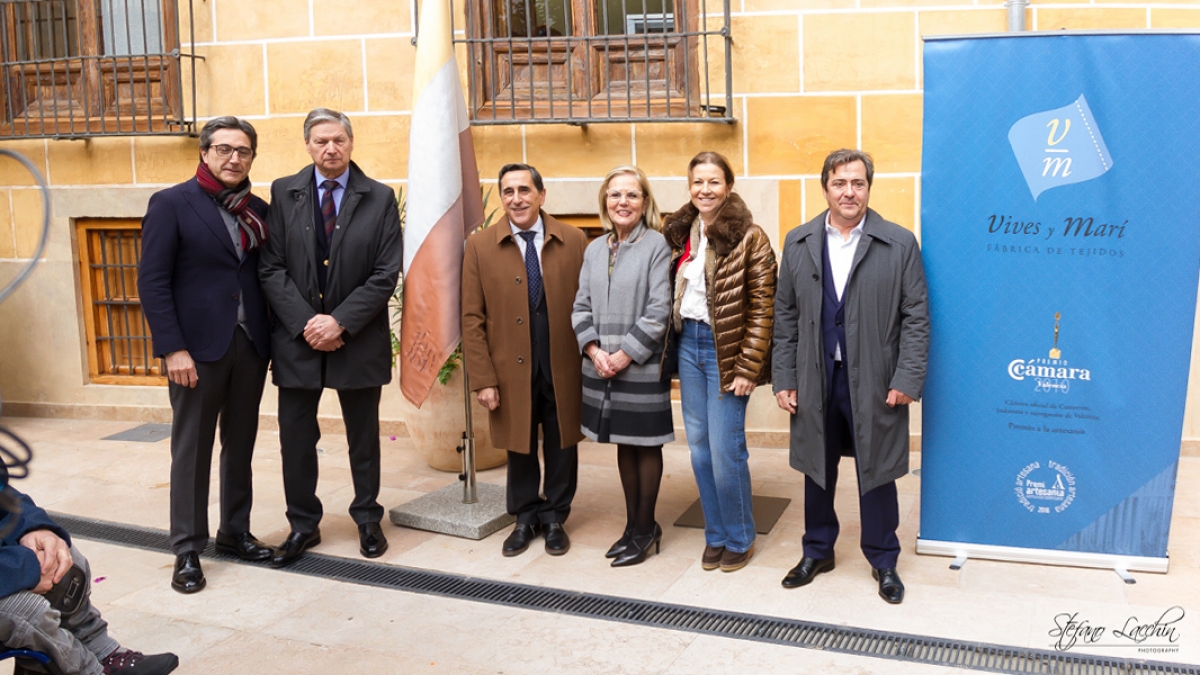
x,y
716,431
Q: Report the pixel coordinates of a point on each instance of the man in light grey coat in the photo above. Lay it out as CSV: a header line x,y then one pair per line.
x,y
851,340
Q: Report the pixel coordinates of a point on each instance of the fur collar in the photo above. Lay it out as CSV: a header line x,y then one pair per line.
x,y
724,234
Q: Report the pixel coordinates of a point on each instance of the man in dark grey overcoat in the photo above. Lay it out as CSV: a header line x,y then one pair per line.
x,y
851,340
328,270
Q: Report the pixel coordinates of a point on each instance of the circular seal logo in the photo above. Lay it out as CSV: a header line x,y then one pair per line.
x,y
1048,488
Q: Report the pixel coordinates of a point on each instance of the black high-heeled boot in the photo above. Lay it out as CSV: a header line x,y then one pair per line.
x,y
639,548
622,544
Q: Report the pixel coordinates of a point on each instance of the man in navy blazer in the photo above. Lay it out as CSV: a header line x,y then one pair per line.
x,y
198,280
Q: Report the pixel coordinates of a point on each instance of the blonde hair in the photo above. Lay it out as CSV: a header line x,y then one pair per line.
x,y
650,208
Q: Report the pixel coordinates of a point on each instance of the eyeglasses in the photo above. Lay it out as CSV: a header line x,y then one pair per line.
x,y
615,196
227,150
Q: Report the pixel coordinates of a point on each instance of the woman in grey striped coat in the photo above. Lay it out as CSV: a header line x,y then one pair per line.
x,y
620,317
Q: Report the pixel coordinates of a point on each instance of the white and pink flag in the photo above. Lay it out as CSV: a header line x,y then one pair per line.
x,y
444,206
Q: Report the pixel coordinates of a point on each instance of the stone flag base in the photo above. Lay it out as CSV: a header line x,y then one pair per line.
x,y
444,511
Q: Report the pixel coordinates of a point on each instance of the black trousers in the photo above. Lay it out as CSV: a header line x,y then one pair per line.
x,y
298,436
879,509
228,389
525,499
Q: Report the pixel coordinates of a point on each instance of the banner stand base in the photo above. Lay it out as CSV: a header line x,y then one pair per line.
x,y
1121,564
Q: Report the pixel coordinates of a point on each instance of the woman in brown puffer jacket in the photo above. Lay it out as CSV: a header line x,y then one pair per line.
x,y
724,295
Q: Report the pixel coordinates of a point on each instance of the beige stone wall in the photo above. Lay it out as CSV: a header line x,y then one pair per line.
x,y
808,76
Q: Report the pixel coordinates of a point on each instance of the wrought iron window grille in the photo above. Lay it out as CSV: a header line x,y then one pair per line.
x,y
588,61
84,68
120,348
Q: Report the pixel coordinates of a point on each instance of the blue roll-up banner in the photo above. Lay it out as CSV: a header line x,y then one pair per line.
x,y
1060,226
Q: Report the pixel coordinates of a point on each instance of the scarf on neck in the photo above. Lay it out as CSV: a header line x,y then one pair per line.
x,y
237,202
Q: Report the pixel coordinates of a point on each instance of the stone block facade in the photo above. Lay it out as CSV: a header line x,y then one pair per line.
x,y
808,76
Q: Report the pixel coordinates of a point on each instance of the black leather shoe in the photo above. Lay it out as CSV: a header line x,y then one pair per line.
x,y
371,542
243,545
806,570
294,546
891,588
519,540
188,577
639,548
621,544
557,541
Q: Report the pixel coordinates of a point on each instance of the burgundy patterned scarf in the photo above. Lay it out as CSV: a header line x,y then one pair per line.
x,y
237,202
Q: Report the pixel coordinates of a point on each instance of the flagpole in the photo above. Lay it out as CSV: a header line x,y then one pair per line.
x,y
445,206
468,446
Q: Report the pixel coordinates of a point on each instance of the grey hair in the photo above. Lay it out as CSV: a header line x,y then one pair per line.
x,y
322,115
227,122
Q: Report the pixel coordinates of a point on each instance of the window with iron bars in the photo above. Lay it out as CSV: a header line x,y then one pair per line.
x,y
583,61
118,338
78,68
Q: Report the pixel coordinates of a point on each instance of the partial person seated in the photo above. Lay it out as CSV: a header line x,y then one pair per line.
x,y
45,597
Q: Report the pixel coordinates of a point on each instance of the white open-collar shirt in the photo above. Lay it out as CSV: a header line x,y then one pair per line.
x,y
841,257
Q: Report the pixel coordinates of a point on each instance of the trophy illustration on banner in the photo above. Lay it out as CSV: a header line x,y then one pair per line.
x,y
1055,353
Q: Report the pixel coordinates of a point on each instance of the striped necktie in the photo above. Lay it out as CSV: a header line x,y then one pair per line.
x,y
328,212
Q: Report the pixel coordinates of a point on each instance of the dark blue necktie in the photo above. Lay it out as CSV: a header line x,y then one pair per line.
x,y
533,271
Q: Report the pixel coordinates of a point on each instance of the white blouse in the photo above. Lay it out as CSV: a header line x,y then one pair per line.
x,y
694,303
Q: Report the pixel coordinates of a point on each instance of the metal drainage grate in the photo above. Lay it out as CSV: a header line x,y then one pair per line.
x,y
146,433
776,630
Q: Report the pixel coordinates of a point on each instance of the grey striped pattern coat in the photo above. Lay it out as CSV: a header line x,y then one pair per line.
x,y
629,312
